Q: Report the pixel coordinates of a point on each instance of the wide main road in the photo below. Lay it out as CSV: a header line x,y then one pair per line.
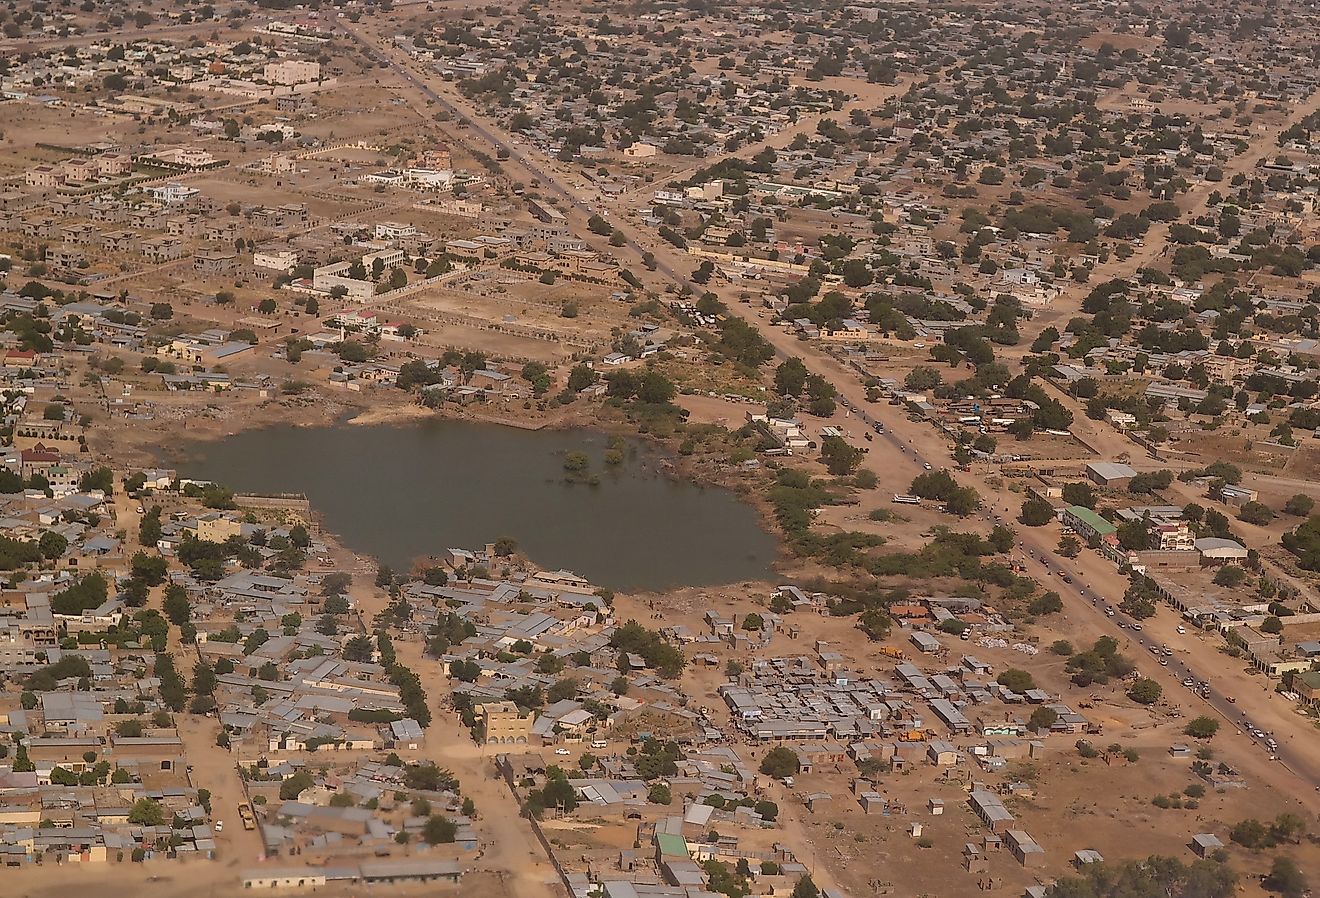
x,y
915,444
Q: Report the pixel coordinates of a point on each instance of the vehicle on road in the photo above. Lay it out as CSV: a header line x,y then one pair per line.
x,y
562,751
219,826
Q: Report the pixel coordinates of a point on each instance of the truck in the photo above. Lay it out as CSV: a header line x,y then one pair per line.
x,y
245,814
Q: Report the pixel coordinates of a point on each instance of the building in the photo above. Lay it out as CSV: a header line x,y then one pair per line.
x,y
276,260
1307,686
217,528
1086,523
1205,844
1214,549
292,71
1023,847
215,261
504,723
1110,474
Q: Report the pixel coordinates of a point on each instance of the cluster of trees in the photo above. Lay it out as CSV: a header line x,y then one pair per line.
x,y
84,594
781,761
941,487
840,458
793,380
663,657
743,345
1304,542
648,386
1140,598
68,667
1154,877
405,680
557,792
173,690
1099,663
1251,833
15,553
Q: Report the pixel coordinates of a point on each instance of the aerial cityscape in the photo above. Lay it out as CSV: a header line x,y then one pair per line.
x,y
660,450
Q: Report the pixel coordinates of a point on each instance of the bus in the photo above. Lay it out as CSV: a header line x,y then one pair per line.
x,y
905,499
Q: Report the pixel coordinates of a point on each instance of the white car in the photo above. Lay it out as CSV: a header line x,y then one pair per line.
x,y
562,751
219,826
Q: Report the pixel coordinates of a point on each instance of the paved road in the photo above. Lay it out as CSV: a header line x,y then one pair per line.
x,y
1052,571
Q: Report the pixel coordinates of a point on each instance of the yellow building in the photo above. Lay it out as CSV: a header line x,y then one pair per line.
x,y
504,723
217,528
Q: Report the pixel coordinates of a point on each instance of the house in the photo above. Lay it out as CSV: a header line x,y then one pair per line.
x,y
925,642
1307,686
504,723
1204,844
215,261
1110,474
1023,847
1087,524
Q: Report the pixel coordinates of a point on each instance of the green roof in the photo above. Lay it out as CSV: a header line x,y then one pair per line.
x,y
671,845
1092,520
1311,678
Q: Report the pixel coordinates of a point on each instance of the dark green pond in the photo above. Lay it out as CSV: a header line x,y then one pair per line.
x,y
400,492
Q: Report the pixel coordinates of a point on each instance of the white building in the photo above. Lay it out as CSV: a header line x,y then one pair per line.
x,y
292,71
284,261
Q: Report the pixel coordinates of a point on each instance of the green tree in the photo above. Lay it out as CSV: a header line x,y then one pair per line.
x,y
1257,513
204,679
53,545
1046,603
150,569
146,812
805,888
1299,505
1286,878
1145,692
1016,680
790,377
1036,512
840,458
1042,718
176,605
293,786
780,761
439,830
1079,493
1202,727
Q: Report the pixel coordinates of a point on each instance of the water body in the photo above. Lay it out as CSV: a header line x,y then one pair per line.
x,y
400,492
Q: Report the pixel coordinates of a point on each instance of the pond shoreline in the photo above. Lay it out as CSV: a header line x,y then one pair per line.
x,y
490,477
